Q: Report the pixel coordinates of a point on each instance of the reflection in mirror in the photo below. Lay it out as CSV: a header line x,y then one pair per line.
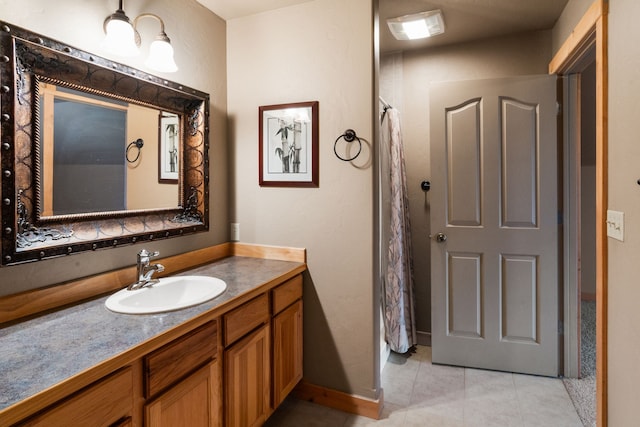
x,y
94,154
168,153
88,163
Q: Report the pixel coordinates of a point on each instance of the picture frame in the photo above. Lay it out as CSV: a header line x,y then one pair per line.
x,y
288,145
169,148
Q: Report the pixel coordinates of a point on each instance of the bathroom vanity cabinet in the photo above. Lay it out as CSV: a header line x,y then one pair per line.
x,y
263,354
230,366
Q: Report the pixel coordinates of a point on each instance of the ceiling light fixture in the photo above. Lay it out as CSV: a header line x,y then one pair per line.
x,y
122,38
417,26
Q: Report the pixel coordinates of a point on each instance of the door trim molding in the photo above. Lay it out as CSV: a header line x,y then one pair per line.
x,y
593,25
572,188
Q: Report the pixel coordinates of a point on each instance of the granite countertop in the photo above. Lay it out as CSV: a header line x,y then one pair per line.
x,y
42,352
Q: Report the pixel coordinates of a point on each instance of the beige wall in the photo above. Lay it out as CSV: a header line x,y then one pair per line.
x,y
623,345
624,195
199,40
408,90
573,11
320,50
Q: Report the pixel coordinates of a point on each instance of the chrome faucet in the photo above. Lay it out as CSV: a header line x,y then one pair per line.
x,y
146,270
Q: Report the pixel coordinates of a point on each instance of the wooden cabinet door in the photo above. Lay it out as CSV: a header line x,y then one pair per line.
x,y
287,351
247,380
193,402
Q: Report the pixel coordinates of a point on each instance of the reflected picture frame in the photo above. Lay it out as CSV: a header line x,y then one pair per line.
x,y
169,148
288,145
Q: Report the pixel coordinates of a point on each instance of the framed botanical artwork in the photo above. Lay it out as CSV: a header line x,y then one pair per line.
x,y
288,145
168,155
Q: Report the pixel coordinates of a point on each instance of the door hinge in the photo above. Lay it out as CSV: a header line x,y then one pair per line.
x,y
558,108
560,327
560,218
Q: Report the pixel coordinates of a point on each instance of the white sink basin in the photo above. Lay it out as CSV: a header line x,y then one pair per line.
x,y
171,293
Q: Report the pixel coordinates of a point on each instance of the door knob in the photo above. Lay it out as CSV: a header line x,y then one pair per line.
x,y
440,237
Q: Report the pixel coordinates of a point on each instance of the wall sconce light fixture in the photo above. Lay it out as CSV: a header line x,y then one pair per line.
x,y
417,26
122,38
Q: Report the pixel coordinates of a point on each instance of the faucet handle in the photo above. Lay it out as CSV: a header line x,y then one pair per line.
x,y
145,253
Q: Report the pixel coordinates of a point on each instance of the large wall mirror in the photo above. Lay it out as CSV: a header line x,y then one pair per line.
x,y
94,154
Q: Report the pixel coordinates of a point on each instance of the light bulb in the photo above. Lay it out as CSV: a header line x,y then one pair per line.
x,y
120,38
161,56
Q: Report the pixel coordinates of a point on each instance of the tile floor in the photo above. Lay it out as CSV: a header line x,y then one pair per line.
x,y
419,394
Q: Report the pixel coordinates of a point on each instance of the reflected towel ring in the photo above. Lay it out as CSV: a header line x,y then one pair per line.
x,y
138,143
349,135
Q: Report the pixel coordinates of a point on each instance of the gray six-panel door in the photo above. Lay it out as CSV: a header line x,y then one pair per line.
x,y
494,223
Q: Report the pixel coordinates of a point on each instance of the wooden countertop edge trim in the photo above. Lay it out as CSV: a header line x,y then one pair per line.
x,y
269,252
53,394
29,303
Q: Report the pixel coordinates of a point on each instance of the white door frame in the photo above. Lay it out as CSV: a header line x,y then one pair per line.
x,y
592,28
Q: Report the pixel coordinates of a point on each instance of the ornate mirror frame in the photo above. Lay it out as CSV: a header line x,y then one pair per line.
x,y
26,59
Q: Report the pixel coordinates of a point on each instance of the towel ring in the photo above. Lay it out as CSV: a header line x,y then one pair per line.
x,y
138,143
349,135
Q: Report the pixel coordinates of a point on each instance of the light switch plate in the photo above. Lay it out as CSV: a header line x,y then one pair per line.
x,y
615,225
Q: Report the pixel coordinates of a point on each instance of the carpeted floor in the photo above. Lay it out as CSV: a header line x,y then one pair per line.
x,y
583,391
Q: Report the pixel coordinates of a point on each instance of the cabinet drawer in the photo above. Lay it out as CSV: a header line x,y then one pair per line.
x,y
285,294
172,362
245,318
100,404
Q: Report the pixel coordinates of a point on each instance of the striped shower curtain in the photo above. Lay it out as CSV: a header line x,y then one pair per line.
x,y
398,303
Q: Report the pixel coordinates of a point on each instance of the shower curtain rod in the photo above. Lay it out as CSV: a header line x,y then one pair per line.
x,y
385,104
